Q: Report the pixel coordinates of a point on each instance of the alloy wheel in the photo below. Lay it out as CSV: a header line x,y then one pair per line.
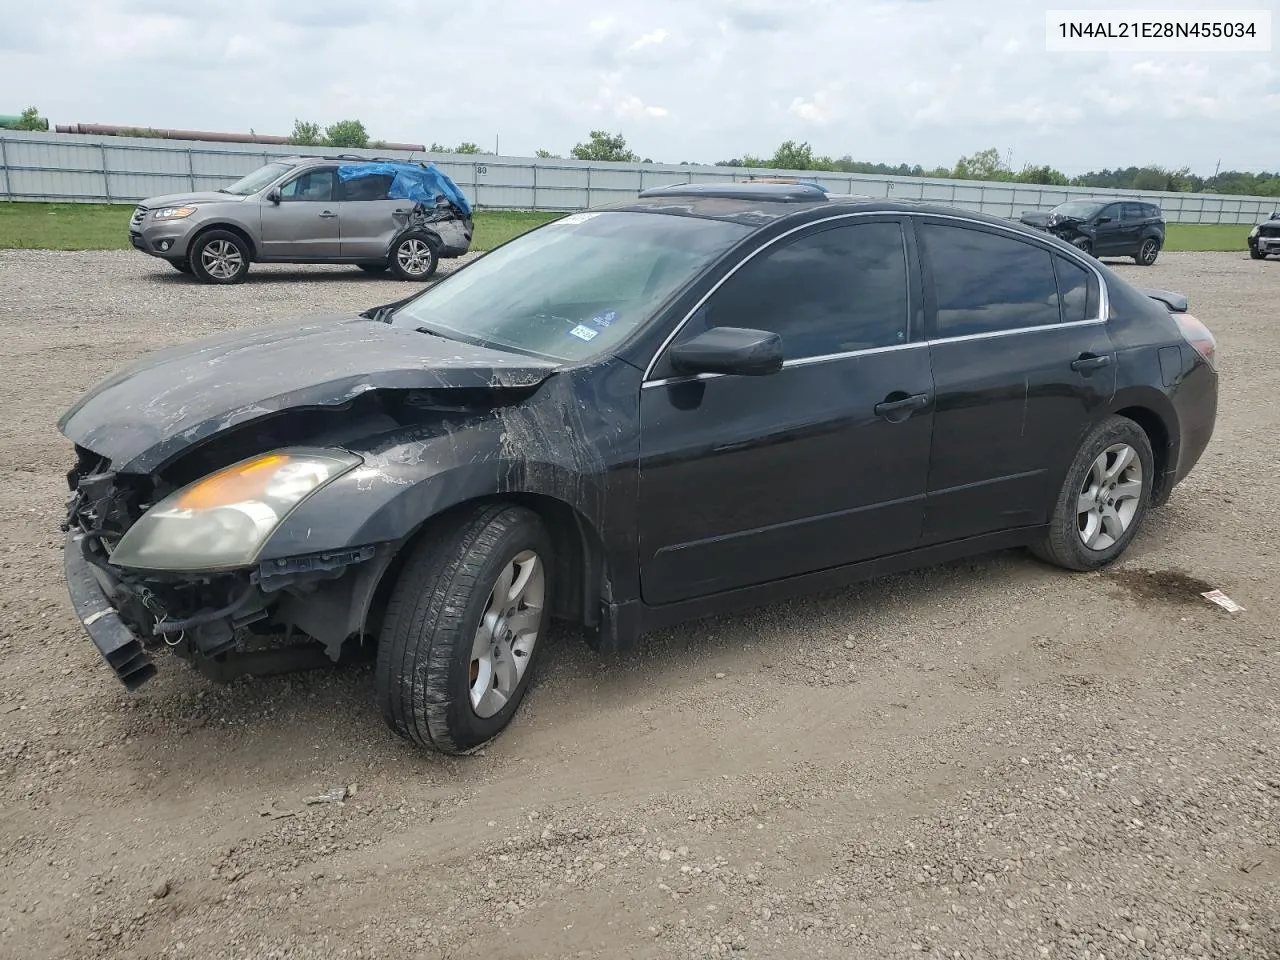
x,y
414,257
1109,497
221,259
1148,251
508,631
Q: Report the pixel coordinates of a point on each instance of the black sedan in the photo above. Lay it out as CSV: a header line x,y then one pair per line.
x,y
678,405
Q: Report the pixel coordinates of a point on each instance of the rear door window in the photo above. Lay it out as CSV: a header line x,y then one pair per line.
x,y
985,282
1134,211
1077,289
369,188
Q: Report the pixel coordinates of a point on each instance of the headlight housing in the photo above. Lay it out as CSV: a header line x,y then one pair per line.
x,y
1254,232
222,521
174,213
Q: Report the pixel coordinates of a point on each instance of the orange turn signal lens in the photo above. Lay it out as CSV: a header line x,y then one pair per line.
x,y
247,481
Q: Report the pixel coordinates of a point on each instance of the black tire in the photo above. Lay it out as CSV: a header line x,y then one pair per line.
x,y
1148,250
1257,254
425,670
1083,245
414,256
182,266
374,268
1064,543
208,249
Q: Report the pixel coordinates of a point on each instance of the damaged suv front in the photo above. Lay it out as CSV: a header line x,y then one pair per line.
x,y
1264,239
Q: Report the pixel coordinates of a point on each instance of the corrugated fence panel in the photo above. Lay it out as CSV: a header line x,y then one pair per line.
x,y
95,169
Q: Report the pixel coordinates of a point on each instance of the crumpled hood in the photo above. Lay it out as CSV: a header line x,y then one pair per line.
x,y
142,416
184,199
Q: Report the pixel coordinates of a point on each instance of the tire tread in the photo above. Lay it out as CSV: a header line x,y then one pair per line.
x,y
426,617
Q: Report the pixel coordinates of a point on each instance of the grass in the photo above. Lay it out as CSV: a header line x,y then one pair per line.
x,y
1206,237
88,226
101,226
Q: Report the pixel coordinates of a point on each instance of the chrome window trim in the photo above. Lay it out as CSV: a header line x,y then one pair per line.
x,y
788,364
1104,301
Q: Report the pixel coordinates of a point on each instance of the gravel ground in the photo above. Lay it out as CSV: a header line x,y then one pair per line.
x,y
985,760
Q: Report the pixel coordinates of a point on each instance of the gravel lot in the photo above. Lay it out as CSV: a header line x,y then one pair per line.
x,y
990,759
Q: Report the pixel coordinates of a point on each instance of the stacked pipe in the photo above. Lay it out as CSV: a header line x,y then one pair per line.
x,y
110,130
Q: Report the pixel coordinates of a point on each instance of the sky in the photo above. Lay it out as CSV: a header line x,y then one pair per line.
x,y
891,81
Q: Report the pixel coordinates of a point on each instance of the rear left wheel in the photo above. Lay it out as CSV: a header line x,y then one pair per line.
x,y
414,257
1103,500
463,628
1148,250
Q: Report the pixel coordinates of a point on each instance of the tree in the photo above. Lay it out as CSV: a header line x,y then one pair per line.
x,y
305,134
31,120
346,133
983,165
465,147
547,155
792,156
1042,175
604,146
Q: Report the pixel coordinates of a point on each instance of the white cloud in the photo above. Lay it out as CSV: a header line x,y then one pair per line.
x,y
651,39
915,81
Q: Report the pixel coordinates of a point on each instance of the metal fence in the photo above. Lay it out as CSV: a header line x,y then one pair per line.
x,y
102,169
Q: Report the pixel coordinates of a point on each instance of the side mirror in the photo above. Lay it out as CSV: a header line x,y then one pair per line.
x,y
729,350
274,194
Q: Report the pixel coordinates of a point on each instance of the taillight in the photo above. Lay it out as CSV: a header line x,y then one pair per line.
x,y
1198,335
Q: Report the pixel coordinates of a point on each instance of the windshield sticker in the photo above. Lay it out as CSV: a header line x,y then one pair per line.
x,y
575,218
605,318
583,333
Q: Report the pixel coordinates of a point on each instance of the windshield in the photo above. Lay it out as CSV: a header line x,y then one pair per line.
x,y
574,288
1083,209
257,180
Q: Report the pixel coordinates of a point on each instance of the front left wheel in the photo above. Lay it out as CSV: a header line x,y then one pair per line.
x,y
463,628
220,256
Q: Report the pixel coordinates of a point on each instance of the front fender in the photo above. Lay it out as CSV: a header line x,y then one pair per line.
x,y
405,482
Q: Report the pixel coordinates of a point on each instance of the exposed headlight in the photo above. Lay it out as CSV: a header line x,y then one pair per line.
x,y
222,521
174,213
1254,231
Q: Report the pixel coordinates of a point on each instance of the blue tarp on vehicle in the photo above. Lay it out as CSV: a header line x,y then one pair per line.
x,y
421,184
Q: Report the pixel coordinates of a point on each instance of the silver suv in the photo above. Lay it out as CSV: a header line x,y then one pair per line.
x,y
376,214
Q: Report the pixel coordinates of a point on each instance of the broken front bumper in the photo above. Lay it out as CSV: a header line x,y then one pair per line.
x,y
118,644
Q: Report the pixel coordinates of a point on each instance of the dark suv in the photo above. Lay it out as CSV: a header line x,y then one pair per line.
x,y
1117,228
1264,239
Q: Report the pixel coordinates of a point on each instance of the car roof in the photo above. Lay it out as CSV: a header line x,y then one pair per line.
x,y
303,159
759,205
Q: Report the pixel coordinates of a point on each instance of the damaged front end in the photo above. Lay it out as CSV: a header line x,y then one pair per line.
x,y
215,618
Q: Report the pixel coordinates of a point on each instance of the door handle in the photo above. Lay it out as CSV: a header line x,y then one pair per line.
x,y
907,405
327,215
1089,361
